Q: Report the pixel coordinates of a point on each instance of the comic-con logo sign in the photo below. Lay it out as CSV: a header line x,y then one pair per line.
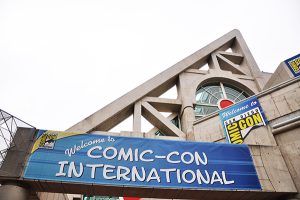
x,y
293,64
240,119
47,140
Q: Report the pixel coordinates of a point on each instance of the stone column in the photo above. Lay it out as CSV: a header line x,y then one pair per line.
x,y
13,190
186,114
187,119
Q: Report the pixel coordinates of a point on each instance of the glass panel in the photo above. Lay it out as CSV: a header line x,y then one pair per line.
x,y
209,94
210,109
231,93
231,97
234,94
215,92
241,97
201,110
215,89
202,96
175,121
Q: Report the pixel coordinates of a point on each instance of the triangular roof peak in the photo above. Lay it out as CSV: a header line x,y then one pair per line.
x,y
115,112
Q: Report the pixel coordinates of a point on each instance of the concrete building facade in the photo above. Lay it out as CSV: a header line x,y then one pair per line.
x,y
224,69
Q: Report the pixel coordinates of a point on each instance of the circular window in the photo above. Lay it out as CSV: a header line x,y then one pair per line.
x,y
213,97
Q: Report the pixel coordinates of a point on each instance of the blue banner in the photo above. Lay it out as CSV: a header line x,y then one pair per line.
x,y
129,161
239,119
293,64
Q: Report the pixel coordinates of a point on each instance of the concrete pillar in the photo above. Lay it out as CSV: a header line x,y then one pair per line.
x,y
137,117
15,191
187,119
187,115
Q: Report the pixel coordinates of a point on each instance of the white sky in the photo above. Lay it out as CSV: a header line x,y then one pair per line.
x,y
61,60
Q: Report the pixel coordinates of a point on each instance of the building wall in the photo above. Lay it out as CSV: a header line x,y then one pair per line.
x,y
276,154
289,144
280,75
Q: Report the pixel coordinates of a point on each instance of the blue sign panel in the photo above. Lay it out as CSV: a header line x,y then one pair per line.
x,y
293,64
239,119
113,160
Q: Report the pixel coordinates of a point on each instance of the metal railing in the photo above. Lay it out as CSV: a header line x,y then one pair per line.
x,y
9,125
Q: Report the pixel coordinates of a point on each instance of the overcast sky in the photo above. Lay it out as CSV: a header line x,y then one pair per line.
x,y
62,60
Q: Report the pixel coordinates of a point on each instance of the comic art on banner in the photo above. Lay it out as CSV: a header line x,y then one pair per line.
x,y
127,161
293,64
239,119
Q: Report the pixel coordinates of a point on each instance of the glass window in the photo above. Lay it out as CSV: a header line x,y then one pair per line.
x,y
209,95
234,94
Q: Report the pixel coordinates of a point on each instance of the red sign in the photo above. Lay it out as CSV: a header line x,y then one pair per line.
x,y
225,103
